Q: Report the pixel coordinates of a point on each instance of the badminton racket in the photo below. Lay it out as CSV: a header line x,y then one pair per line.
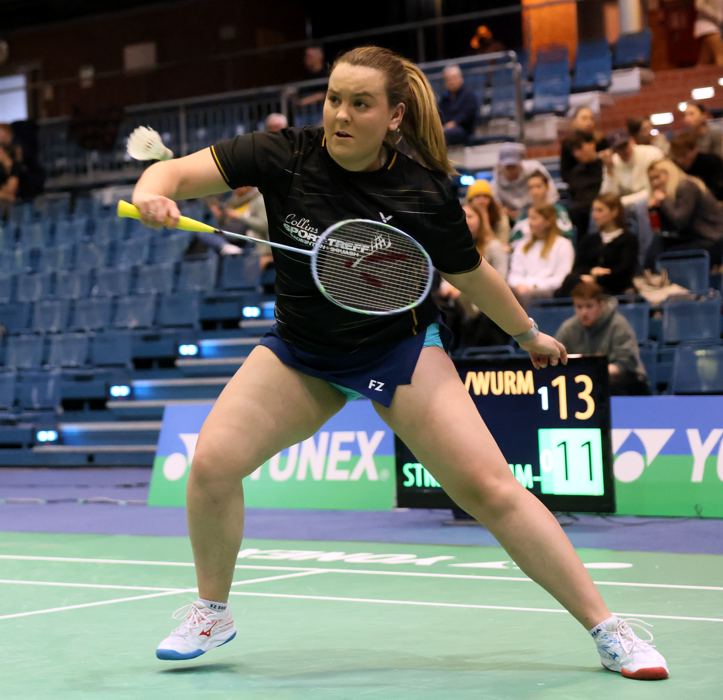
x,y
361,265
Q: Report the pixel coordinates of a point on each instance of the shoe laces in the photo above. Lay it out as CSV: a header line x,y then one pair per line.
x,y
628,638
194,615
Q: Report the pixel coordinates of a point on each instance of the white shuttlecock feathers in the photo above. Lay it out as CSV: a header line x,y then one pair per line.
x,y
145,143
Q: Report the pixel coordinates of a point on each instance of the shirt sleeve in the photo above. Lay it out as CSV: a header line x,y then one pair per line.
x,y
255,158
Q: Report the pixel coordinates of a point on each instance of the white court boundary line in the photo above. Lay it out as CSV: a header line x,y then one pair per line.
x,y
163,593
375,572
465,606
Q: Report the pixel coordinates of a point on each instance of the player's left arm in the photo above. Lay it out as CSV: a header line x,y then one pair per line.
x,y
486,289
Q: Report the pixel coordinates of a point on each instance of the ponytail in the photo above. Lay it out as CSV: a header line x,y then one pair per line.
x,y
421,126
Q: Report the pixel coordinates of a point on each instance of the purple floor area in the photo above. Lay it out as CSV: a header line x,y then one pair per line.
x,y
112,502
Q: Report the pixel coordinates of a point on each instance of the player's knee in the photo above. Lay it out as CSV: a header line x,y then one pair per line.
x,y
489,497
215,466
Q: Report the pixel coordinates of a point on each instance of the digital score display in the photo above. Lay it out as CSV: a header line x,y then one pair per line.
x,y
552,425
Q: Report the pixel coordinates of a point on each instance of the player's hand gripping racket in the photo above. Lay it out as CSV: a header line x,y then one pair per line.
x,y
359,264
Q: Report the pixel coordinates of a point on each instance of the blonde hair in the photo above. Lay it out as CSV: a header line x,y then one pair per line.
x,y
675,176
549,214
421,126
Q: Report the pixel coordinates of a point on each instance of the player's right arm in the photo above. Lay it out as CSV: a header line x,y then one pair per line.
x,y
192,176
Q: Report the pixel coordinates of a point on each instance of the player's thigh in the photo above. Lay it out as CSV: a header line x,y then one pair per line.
x,y
264,408
438,421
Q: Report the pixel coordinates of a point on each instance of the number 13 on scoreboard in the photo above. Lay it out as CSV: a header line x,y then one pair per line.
x,y
571,461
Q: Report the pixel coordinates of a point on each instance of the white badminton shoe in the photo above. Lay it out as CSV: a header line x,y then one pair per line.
x,y
202,629
622,651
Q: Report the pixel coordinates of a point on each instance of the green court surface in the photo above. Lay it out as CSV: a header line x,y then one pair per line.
x,y
80,616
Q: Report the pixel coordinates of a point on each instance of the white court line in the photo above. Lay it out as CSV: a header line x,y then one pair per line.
x,y
375,572
466,606
150,595
64,584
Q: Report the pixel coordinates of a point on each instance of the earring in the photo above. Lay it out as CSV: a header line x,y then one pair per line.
x,y
396,136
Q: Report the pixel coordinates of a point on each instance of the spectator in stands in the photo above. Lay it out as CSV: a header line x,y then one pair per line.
x,y
583,122
316,69
626,169
486,241
458,108
690,217
490,212
710,138
540,264
586,177
509,180
608,257
468,325
707,28
538,184
275,122
243,212
26,168
706,166
643,133
9,178
599,328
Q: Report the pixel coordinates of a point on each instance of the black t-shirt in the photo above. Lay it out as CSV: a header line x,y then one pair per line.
x,y
305,192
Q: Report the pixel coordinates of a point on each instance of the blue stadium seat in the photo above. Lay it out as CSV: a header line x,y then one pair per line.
x,y
8,379
91,314
12,260
551,96
7,236
239,272
503,101
688,268
169,248
71,230
109,229
132,251
593,67
180,310
111,349
16,316
649,357
59,257
550,313
633,49
697,370
38,391
72,285
91,256
51,315
157,278
34,287
135,312
25,351
638,315
695,320
68,350
198,275
7,287
112,282
36,235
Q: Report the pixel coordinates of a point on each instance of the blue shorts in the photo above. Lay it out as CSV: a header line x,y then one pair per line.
x,y
372,374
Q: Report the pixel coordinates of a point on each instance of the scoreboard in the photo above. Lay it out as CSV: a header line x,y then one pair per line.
x,y
552,425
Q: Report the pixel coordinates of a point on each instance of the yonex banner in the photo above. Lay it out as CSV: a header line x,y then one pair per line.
x,y
668,455
348,464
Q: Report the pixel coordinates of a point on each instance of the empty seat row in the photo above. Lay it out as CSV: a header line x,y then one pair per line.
x,y
175,310
111,349
28,391
232,273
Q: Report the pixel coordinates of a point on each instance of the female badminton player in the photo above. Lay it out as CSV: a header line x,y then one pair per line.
x,y
380,155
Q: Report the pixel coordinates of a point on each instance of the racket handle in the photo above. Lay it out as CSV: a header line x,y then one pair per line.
x,y
126,210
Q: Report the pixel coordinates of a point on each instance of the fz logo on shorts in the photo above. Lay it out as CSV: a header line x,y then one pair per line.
x,y
377,386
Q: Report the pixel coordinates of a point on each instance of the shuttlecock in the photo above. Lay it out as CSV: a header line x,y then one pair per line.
x,y
145,143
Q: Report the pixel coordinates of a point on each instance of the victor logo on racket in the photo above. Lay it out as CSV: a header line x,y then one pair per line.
x,y
360,265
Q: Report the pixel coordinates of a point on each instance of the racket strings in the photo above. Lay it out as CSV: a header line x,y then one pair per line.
x,y
372,267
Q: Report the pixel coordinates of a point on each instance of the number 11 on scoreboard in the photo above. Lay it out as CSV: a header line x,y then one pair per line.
x,y
571,461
